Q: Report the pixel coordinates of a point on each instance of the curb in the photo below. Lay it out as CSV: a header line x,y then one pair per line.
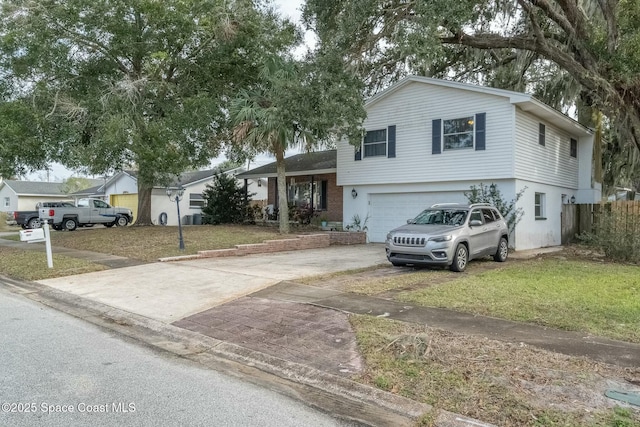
x,y
338,396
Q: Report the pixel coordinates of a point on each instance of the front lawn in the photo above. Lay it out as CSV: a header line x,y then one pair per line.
x,y
142,243
151,243
32,265
581,295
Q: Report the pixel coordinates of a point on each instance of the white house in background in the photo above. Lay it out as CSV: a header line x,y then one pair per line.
x,y
163,210
24,195
428,141
122,190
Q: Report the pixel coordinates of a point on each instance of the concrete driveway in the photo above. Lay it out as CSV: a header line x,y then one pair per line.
x,y
172,291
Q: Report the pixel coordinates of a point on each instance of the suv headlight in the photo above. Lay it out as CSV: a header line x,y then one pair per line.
x,y
441,238
389,236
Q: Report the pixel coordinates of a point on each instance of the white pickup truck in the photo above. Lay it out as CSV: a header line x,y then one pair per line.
x,y
86,213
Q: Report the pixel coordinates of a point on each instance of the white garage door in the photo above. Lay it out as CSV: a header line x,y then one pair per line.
x,y
388,211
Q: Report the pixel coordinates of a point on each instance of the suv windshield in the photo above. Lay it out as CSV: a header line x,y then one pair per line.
x,y
441,216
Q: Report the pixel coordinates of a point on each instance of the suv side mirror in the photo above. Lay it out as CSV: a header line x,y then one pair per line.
x,y
411,221
475,223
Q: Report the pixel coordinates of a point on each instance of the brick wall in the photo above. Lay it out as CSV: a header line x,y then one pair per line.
x,y
294,243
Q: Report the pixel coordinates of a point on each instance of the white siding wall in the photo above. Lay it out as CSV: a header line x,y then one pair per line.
x,y
13,199
412,109
539,233
160,203
125,184
548,164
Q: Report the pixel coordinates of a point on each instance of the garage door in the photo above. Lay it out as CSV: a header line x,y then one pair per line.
x,y
129,200
388,211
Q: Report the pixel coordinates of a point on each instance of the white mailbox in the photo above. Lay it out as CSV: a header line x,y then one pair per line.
x,y
32,236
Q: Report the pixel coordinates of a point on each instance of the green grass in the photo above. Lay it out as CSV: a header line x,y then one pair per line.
x,y
142,243
32,265
595,297
151,243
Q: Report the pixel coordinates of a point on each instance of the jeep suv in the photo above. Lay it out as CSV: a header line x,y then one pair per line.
x,y
449,235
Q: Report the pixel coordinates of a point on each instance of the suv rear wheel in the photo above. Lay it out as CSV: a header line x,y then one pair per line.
x,y
460,259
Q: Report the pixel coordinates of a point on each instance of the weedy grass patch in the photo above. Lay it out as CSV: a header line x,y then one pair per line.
x,y
506,384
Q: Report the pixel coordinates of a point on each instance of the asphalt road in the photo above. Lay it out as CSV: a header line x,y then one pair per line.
x,y
56,370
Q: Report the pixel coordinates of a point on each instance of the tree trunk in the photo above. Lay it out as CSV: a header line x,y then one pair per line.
x,y
144,203
283,205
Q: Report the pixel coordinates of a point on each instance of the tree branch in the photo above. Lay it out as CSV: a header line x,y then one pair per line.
x,y
608,7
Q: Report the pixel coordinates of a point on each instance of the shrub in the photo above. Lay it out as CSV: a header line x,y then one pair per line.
x,y
225,201
615,233
490,194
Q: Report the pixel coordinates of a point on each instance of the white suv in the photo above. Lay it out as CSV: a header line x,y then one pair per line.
x,y
449,235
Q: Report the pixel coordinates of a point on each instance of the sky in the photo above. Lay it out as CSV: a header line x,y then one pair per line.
x,y
58,173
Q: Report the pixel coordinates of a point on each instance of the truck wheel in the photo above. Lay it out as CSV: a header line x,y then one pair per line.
x,y
69,224
34,223
122,221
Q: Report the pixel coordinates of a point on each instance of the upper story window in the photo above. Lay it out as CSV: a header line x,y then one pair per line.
x,y
573,148
458,133
7,202
542,130
375,143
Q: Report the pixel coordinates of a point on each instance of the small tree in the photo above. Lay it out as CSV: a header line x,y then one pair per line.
x,y
225,201
490,194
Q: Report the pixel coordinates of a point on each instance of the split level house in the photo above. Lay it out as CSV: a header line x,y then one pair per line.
x,y
428,141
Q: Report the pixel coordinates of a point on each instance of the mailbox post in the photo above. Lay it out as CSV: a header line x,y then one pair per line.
x,y
36,235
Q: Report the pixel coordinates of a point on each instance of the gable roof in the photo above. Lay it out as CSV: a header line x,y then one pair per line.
x,y
31,188
526,102
97,190
318,162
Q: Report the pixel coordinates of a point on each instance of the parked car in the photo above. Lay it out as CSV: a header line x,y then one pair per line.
x,y
450,235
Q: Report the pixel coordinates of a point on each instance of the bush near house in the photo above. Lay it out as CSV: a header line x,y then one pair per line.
x,y
226,202
490,194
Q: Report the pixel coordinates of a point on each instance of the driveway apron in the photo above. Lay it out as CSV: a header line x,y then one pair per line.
x,y
171,291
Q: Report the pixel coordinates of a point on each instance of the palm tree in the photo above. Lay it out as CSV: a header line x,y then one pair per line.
x,y
303,104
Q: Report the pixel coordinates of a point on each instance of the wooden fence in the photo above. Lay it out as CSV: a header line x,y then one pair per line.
x,y
577,219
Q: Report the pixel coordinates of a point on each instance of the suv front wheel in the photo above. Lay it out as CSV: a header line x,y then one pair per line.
x,y
460,259
502,252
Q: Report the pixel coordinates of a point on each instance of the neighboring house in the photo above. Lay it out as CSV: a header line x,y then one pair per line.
x,y
428,141
311,182
122,190
24,195
194,184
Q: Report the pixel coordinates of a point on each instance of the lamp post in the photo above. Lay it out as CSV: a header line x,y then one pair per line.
x,y
177,196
